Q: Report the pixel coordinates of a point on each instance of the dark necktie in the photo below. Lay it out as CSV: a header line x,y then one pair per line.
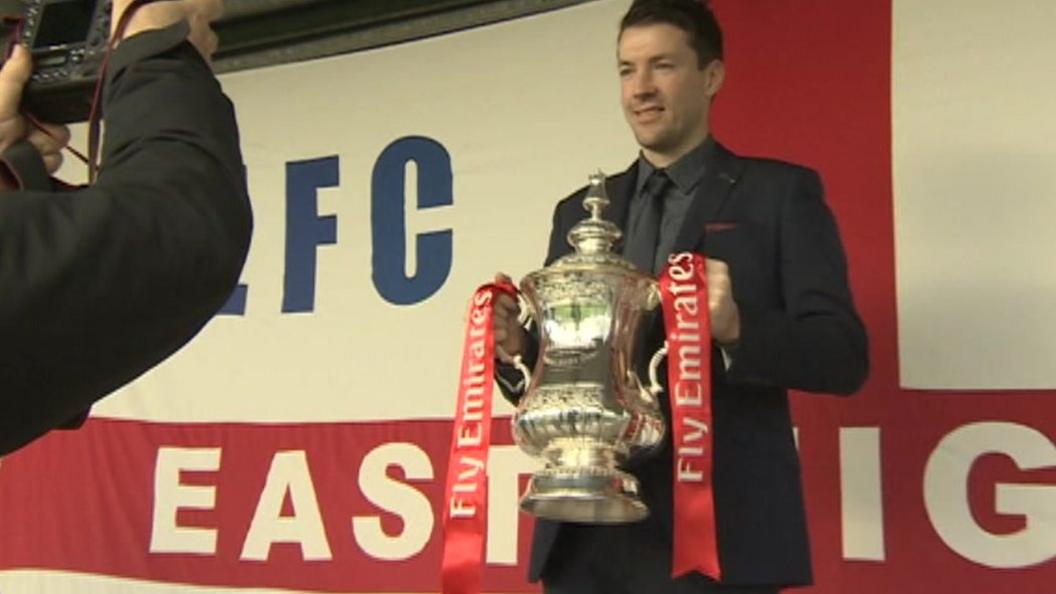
x,y
643,238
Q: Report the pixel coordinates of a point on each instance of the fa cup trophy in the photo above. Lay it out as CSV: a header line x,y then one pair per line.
x,y
585,411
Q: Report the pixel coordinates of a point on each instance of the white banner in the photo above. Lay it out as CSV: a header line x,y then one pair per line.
x,y
504,124
975,193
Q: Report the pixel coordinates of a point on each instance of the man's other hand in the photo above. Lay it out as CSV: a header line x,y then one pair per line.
x,y
725,316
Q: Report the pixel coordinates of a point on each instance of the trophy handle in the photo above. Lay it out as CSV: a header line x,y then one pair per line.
x,y
655,388
525,372
517,362
654,366
524,317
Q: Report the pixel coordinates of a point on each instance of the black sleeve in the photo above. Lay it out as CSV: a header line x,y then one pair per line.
x,y
817,343
100,284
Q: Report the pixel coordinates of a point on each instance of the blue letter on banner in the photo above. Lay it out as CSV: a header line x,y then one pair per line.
x,y
305,229
433,250
236,303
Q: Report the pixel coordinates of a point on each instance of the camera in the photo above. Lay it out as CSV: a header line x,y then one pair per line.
x,y
68,41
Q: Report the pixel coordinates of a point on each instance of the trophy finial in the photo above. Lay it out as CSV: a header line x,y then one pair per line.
x,y
597,199
595,235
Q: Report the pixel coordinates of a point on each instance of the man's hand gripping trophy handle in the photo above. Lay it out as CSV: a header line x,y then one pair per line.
x,y
509,322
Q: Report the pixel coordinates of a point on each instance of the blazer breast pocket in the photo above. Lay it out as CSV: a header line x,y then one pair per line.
x,y
723,240
720,226
742,247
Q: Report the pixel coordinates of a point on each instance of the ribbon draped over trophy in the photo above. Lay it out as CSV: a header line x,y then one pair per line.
x,y
585,412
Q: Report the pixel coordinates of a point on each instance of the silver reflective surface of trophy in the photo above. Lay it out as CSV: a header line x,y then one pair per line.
x,y
585,412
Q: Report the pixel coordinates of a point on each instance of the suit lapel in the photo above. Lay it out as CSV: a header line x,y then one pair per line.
x,y
720,177
620,189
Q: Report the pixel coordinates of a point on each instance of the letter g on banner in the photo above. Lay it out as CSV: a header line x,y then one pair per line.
x,y
388,220
946,499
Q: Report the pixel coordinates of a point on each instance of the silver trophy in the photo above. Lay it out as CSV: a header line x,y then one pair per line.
x,y
585,411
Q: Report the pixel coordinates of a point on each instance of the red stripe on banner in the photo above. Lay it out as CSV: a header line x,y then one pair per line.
x,y
352,507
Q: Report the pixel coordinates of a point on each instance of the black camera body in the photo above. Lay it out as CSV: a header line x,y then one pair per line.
x,y
68,41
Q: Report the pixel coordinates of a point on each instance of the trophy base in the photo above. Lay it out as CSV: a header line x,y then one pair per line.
x,y
597,496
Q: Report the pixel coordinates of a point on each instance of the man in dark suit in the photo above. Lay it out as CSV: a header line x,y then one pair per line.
x,y
781,310
98,284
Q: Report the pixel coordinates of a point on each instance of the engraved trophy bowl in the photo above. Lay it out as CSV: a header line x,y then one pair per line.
x,y
585,412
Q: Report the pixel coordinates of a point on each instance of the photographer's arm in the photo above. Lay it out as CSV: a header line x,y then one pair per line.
x,y
98,285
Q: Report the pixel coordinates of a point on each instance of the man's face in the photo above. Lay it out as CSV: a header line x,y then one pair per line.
x,y
665,93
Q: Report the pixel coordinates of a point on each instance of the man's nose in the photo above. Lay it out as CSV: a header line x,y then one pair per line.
x,y
642,84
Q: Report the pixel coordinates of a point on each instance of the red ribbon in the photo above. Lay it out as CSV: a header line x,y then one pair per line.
x,y
466,493
684,297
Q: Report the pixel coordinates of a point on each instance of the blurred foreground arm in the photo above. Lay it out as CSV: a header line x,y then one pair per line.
x,y
100,284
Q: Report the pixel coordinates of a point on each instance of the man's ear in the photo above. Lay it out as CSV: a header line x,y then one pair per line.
x,y
715,74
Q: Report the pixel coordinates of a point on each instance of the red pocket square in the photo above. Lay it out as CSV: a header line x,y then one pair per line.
x,y
713,227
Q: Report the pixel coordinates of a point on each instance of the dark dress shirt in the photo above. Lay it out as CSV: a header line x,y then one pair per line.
x,y
685,175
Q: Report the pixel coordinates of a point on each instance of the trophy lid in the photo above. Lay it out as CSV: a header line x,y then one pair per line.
x,y
595,236
595,270
595,252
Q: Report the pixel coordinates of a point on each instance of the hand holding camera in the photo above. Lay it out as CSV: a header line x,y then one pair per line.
x,y
48,139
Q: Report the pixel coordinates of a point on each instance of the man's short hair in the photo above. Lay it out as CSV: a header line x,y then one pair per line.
x,y
692,16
